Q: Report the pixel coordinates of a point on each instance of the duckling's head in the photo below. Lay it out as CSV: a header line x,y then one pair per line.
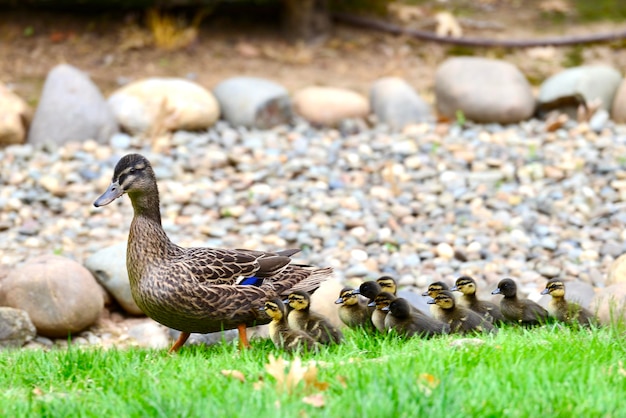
x,y
445,300
434,289
387,284
369,289
299,300
347,297
400,308
465,285
506,287
383,300
133,174
555,288
275,309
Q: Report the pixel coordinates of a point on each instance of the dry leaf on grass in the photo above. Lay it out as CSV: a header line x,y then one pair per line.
x,y
316,400
288,376
426,382
235,374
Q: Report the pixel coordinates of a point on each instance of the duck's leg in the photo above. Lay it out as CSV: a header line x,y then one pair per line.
x,y
182,338
243,336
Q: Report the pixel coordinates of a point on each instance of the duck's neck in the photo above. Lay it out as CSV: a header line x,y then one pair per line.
x,y
147,205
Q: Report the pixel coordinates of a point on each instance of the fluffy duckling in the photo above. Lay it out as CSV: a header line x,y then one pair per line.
x,y
381,302
388,284
369,289
407,322
432,291
281,335
489,310
302,318
564,311
521,311
353,312
461,320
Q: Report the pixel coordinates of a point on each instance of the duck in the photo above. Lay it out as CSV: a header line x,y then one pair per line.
x,y
489,310
433,290
281,334
404,320
198,289
302,318
460,319
369,289
381,302
520,311
564,311
353,312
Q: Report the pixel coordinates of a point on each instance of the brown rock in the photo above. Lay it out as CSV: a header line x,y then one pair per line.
x,y
329,105
15,116
16,328
617,271
618,110
323,301
610,303
59,294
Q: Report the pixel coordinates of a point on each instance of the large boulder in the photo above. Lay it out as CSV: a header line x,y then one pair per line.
x,y
610,303
328,106
15,116
484,90
253,102
618,110
598,82
396,103
108,266
617,271
164,104
16,328
60,295
71,108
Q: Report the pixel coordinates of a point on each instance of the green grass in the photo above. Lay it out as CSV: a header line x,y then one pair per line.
x,y
556,372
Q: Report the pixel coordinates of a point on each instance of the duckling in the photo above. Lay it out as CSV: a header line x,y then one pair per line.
x,y
406,322
432,291
352,311
388,284
369,289
281,335
521,311
564,311
461,320
488,310
302,318
381,302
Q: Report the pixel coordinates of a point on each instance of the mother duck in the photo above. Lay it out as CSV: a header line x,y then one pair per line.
x,y
197,289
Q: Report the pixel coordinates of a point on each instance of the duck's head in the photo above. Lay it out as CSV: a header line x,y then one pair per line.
x,y
465,285
275,309
506,287
383,300
387,284
400,308
347,297
554,287
445,300
434,289
133,174
368,289
299,300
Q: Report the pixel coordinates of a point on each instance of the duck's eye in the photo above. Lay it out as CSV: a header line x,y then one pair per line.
x,y
132,169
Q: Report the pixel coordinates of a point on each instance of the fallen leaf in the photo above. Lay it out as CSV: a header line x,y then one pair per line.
x,y
37,391
316,400
620,368
310,379
426,382
235,374
295,375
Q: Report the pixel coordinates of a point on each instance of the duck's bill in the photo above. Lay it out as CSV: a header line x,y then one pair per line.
x,y
545,291
339,301
425,293
431,301
113,192
496,292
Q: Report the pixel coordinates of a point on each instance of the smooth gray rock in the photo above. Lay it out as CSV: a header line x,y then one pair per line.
x,y
59,294
254,102
396,103
16,328
71,108
150,334
108,266
484,90
592,82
